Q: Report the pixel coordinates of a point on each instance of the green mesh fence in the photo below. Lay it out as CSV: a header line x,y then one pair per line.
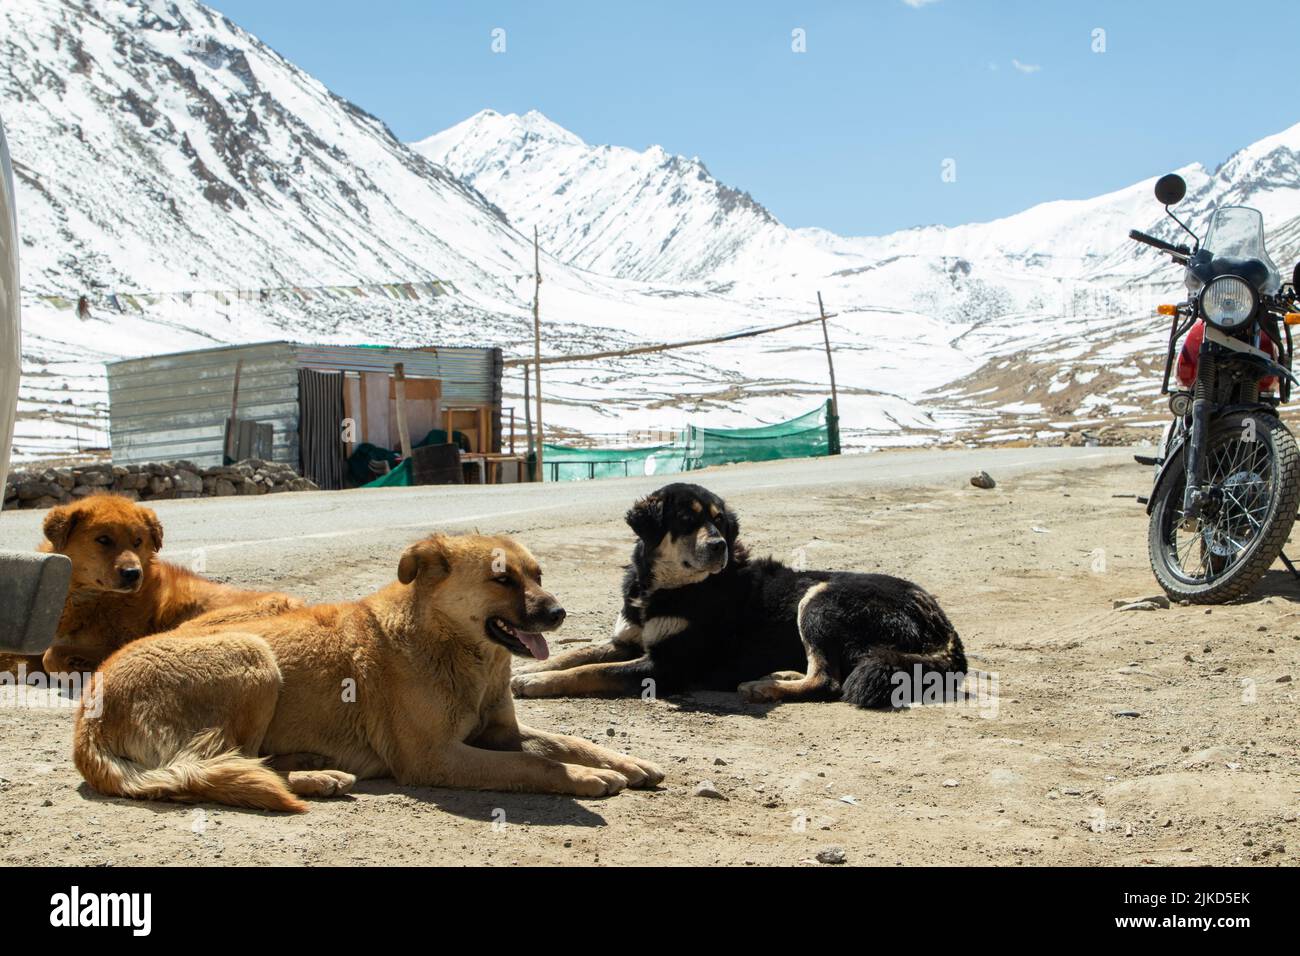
x,y
580,464
810,435
807,436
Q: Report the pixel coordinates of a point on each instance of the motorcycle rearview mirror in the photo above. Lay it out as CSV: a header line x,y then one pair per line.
x,y
1295,277
1170,189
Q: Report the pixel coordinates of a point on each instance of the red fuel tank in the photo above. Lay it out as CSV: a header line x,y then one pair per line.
x,y
1187,357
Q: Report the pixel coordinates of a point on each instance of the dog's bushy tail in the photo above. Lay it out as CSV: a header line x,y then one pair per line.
x,y
873,682
890,677
203,770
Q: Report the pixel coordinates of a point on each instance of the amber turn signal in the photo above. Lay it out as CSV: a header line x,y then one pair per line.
x,y
1166,310
1293,318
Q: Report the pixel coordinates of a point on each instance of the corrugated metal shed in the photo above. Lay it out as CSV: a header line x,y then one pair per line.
x,y
169,407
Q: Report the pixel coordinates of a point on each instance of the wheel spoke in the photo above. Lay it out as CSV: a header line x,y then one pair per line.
x,y
1186,550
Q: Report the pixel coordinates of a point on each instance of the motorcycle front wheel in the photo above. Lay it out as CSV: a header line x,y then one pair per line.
x,y
1253,479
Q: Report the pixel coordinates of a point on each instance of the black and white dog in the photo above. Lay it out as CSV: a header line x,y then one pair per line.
x,y
698,614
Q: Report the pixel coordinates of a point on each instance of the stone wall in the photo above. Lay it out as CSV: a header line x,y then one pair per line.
x,y
47,487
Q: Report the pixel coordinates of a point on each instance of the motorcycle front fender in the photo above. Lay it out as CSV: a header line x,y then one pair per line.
x,y
1178,442
1173,452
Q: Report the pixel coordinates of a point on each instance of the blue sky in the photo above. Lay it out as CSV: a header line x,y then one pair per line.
x,y
852,134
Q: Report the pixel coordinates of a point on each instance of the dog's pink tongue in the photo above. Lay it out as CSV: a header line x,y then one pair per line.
x,y
535,643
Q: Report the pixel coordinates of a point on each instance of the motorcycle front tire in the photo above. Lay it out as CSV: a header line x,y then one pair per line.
x,y
1267,544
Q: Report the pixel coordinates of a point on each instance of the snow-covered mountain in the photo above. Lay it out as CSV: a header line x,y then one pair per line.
x,y
170,167
608,209
620,212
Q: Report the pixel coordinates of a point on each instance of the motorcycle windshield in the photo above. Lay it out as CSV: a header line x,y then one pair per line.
x,y
1237,232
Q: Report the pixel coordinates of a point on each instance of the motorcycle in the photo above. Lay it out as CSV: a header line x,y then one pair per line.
x,y
1227,482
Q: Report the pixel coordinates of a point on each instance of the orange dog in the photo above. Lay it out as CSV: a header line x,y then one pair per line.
x,y
120,591
412,682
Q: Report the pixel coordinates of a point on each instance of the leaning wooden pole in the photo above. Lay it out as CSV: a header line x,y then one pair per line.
x,y
528,419
664,346
399,392
232,423
537,352
830,363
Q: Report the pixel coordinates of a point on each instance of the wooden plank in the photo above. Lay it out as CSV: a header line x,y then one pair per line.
x,y
353,409
247,441
373,426
403,432
265,442
417,389
234,408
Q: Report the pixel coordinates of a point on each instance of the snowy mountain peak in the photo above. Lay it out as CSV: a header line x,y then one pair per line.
x,y
647,215
536,125
489,126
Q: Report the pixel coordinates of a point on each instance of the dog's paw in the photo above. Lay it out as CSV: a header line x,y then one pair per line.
x,y
759,691
528,685
321,783
343,782
641,774
596,782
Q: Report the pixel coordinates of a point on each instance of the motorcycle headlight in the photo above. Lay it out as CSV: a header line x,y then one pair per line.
x,y
1228,302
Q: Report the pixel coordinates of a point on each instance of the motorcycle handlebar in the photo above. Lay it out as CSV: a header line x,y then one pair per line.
x,y
1159,243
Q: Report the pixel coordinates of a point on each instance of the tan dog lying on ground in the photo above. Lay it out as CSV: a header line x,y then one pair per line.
x,y
412,682
120,591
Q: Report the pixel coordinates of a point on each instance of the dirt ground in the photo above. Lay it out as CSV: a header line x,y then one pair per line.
x,y
1165,737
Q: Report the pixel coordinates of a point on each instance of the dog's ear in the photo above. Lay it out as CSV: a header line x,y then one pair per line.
x,y
730,525
646,517
59,525
154,525
428,557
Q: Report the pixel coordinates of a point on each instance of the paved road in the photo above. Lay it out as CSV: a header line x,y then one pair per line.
x,y
297,530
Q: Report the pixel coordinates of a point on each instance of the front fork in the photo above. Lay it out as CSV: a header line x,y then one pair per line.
x,y
1195,493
